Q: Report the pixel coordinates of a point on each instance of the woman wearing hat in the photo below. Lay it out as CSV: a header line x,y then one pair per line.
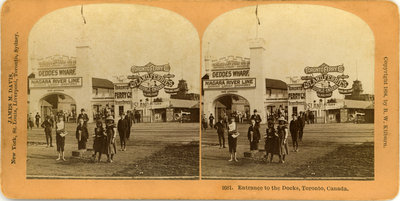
x,y
232,138
282,135
253,135
100,139
111,132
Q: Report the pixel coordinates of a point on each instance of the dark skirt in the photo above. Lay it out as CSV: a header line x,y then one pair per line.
x,y
254,145
60,141
232,142
99,144
272,146
81,144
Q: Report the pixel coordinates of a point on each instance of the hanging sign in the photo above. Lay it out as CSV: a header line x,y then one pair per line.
x,y
151,83
150,68
328,82
324,69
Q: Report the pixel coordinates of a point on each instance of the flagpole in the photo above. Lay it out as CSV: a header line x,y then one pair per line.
x,y
258,21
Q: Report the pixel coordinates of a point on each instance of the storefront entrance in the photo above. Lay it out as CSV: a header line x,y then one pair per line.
x,y
58,104
233,106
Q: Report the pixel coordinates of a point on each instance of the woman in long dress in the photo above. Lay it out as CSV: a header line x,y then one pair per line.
x,y
232,139
111,132
271,141
100,139
60,137
283,135
82,134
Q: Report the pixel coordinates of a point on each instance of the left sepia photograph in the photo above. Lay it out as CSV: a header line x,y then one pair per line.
x,y
113,93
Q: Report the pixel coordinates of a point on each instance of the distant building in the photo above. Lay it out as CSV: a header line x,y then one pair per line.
x,y
183,92
276,96
357,93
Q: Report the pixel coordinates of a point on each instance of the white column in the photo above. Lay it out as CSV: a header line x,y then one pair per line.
x,y
258,70
84,66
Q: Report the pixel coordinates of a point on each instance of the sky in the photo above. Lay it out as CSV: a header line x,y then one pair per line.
x,y
296,36
120,36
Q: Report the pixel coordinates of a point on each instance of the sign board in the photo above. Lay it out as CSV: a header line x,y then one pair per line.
x,y
122,91
151,68
231,62
57,61
55,82
229,83
151,83
230,73
54,72
325,89
324,69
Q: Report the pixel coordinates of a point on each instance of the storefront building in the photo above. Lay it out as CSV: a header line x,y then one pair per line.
x,y
154,109
60,84
296,97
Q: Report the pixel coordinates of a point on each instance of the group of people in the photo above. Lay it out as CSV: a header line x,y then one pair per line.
x,y
133,115
236,115
104,134
276,137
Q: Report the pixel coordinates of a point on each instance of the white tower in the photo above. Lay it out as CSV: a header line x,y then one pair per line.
x,y
258,70
84,66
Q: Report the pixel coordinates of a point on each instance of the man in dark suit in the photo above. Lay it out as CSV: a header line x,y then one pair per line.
x,y
301,121
256,117
294,132
220,131
37,119
48,125
128,118
122,130
83,116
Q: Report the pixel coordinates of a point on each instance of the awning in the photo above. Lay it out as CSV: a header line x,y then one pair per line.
x,y
180,103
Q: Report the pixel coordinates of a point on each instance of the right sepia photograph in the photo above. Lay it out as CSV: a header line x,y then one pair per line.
x,y
288,93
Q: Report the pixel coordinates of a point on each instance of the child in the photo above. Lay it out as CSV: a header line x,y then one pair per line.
x,y
47,125
253,135
60,137
232,139
99,140
220,131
